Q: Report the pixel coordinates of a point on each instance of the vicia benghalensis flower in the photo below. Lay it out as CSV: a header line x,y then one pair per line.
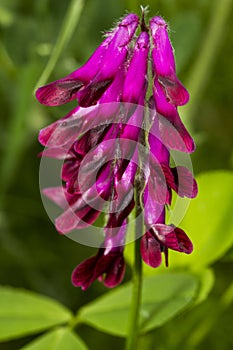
x,y
101,139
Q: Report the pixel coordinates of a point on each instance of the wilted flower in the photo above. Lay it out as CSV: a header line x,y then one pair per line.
x,y
100,139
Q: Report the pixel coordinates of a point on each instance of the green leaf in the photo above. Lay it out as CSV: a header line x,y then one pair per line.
x,y
59,339
163,297
23,312
207,280
208,221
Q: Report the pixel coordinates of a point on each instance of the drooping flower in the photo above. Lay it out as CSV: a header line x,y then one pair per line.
x,y
101,142
89,82
108,265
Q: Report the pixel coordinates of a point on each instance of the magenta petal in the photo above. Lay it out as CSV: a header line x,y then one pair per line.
x,y
157,184
114,91
64,90
162,54
172,131
117,48
66,222
115,237
66,131
163,63
98,71
135,80
185,245
157,188
82,275
150,250
46,133
104,182
175,135
160,153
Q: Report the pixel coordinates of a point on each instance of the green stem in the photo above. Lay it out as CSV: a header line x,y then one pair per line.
x,y
6,62
202,69
18,129
131,343
70,21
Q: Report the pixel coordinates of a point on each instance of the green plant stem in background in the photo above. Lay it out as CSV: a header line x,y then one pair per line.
x,y
202,69
131,342
6,62
17,128
18,121
70,21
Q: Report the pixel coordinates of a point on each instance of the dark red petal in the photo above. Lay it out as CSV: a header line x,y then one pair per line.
x,y
174,90
59,92
157,185
70,169
115,273
83,274
174,135
165,234
116,219
51,134
150,250
184,183
92,92
181,180
185,244
172,131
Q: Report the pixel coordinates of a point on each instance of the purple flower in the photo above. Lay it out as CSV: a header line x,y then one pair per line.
x,y
97,74
159,239
108,265
164,64
101,142
108,268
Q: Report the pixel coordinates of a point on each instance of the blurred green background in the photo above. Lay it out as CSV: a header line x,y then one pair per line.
x,y
32,254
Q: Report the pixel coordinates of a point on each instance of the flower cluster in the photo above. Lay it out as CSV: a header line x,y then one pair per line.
x,y
101,139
